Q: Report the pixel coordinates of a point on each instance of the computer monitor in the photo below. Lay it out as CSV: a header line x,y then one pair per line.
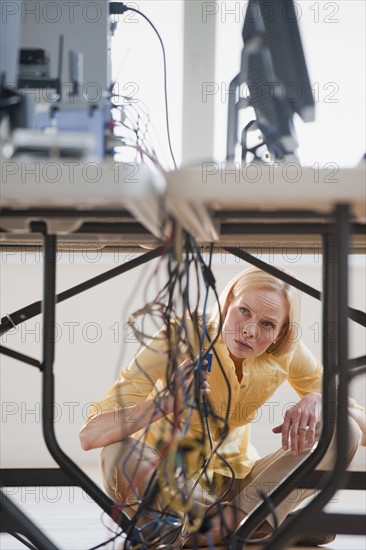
x,y
273,68
10,31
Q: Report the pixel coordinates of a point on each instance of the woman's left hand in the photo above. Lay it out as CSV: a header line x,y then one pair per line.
x,y
299,424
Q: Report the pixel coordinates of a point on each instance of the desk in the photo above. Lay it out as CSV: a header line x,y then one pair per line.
x,y
331,210
228,204
107,203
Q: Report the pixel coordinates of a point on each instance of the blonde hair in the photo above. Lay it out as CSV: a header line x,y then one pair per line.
x,y
254,278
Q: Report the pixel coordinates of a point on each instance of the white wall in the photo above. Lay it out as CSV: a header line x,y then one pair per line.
x,y
88,361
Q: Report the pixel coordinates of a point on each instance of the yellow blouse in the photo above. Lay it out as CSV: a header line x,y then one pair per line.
x,y
262,375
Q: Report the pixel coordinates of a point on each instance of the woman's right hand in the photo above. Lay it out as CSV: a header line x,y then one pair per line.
x,y
180,384
111,426
183,377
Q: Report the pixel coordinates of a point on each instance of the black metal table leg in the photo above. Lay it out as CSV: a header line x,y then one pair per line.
x,y
12,520
302,471
336,354
48,391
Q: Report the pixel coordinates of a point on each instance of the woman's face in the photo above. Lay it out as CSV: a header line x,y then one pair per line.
x,y
253,321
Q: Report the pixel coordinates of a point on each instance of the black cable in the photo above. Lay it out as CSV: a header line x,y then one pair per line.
x,y
117,8
23,540
184,283
167,313
112,539
165,307
209,282
206,407
206,414
191,257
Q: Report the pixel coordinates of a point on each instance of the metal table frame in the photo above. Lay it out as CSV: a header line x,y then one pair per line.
x,y
334,409
70,473
336,366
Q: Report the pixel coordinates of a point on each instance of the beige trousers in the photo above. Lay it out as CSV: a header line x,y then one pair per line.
x,y
127,467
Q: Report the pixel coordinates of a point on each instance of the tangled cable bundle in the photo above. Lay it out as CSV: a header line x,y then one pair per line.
x,y
180,307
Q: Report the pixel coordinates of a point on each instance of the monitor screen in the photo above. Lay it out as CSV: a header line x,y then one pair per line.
x,y
274,70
